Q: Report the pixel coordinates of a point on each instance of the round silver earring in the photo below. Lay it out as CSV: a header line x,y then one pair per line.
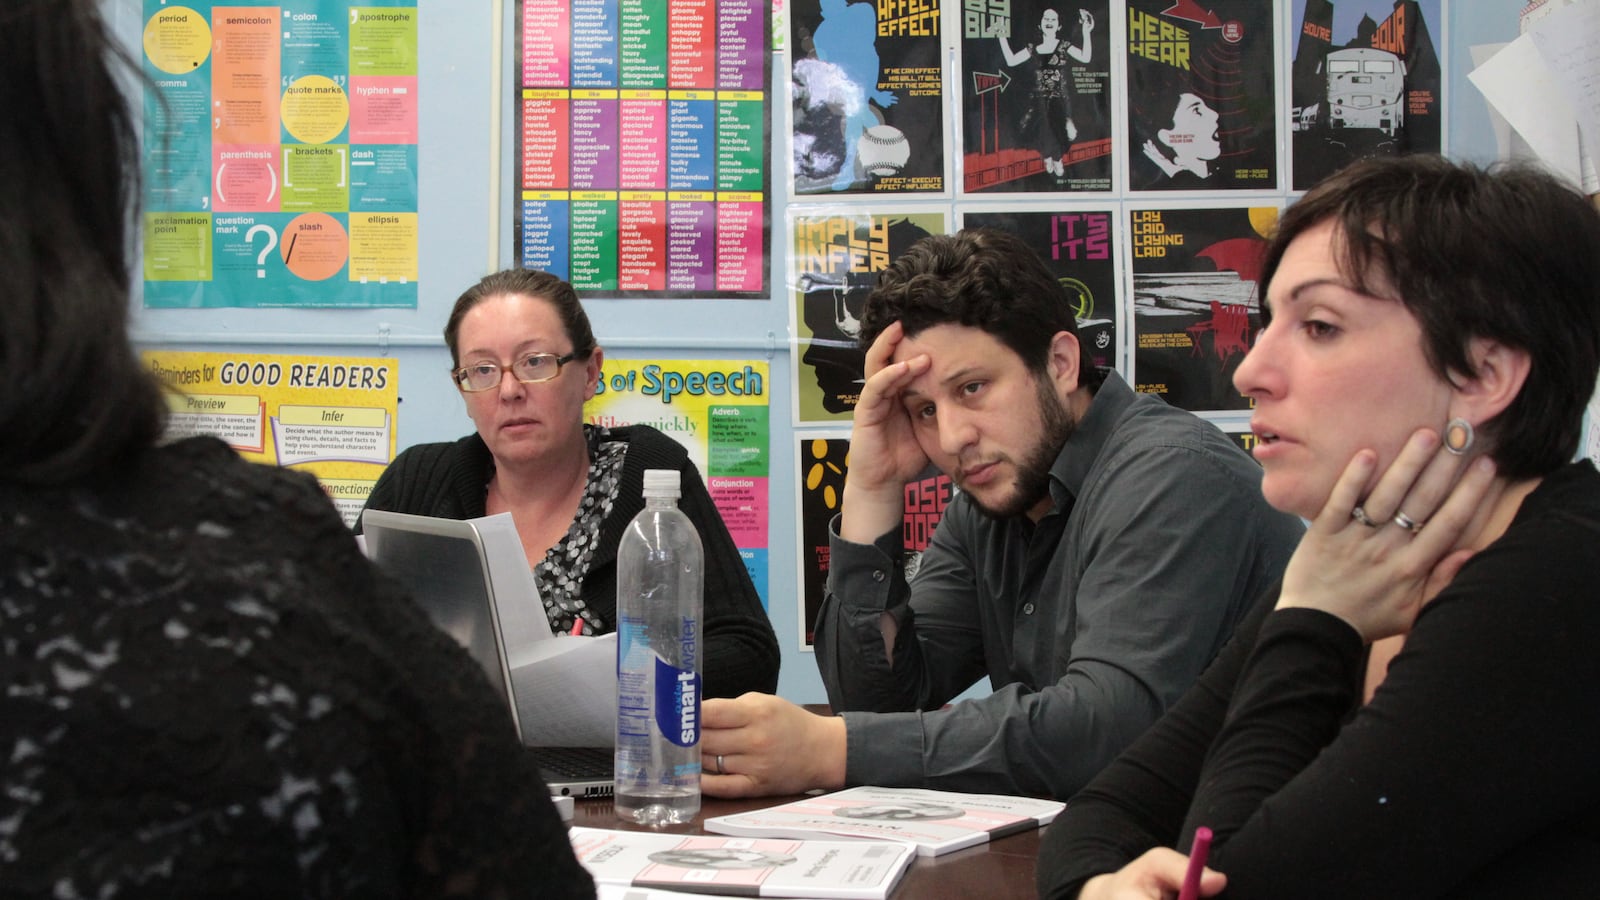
x,y
1458,436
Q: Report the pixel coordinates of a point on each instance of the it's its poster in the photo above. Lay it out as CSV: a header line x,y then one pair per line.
x,y
1202,95
643,153
330,416
834,261
715,408
1195,309
867,99
280,154
1036,96
1366,82
824,459
1080,247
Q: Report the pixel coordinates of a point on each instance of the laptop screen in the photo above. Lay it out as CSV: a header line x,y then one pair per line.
x,y
441,563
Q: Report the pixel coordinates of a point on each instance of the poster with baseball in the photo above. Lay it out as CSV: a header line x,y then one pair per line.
x,y
1079,244
1202,95
1194,269
1036,96
867,98
834,260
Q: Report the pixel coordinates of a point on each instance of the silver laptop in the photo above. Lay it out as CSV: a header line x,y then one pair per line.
x,y
442,563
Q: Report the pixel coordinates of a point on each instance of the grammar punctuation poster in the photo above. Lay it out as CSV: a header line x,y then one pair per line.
x,y
642,159
280,154
330,416
715,408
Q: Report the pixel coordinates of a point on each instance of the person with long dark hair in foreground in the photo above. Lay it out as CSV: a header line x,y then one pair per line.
x,y
209,691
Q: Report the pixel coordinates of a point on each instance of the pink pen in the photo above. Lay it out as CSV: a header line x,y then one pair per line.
x,y
1197,863
577,631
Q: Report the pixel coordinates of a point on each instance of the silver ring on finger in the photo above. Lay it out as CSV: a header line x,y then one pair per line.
x,y
720,770
1406,522
1360,515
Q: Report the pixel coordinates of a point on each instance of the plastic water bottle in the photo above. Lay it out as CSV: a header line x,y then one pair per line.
x,y
659,584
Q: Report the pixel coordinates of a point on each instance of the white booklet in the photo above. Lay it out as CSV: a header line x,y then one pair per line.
x,y
935,822
746,867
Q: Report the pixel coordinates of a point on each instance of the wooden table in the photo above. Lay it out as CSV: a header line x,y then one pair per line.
x,y
995,871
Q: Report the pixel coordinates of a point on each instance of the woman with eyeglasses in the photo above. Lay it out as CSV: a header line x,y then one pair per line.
x,y
525,360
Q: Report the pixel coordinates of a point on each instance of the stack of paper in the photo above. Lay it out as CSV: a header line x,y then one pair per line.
x,y
707,864
935,822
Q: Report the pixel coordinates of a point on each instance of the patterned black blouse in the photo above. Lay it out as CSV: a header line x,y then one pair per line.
x,y
208,691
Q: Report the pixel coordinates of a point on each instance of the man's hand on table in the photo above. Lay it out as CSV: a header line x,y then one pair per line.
x,y
768,747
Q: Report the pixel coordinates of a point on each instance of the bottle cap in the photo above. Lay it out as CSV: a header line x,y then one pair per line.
x,y
661,483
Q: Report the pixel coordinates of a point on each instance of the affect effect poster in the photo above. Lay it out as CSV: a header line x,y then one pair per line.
x,y
1195,309
834,261
280,154
867,99
1202,96
644,148
1366,81
1036,96
1080,247
824,460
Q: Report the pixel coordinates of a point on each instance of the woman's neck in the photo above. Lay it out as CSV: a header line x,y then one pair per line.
x,y
550,483
1494,517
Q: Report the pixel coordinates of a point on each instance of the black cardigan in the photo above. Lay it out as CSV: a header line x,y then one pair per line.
x,y
449,480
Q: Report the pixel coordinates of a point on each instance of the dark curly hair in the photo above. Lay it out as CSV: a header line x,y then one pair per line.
x,y
980,278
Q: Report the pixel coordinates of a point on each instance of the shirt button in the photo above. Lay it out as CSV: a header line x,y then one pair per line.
x,y
877,575
1027,609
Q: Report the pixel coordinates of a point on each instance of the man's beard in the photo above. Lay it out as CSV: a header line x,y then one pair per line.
x,y
1056,425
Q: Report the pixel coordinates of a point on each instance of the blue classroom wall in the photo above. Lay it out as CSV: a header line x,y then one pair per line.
x,y
458,100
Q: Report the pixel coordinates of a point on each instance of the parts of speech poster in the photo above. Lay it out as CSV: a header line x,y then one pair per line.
x,y
715,408
643,146
280,154
331,416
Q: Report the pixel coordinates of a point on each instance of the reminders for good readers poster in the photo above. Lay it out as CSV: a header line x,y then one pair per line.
x,y
330,416
643,150
715,408
280,154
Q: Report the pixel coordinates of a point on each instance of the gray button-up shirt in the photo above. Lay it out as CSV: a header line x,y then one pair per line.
x,y
1088,623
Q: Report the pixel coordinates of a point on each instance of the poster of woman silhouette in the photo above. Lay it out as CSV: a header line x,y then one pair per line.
x,y
1194,271
1202,95
1365,82
834,260
867,99
1080,245
1036,96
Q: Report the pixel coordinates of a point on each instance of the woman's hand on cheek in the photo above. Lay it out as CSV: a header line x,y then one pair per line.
x,y
1156,875
1375,562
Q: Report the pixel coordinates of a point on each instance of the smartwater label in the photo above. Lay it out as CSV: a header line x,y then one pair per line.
x,y
677,704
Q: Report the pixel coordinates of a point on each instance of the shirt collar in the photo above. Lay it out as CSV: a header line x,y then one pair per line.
x,y
1094,430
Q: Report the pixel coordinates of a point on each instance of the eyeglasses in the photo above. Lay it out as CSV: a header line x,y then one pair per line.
x,y
530,369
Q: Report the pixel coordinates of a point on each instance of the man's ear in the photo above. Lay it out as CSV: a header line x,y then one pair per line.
x,y
1064,362
1501,373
